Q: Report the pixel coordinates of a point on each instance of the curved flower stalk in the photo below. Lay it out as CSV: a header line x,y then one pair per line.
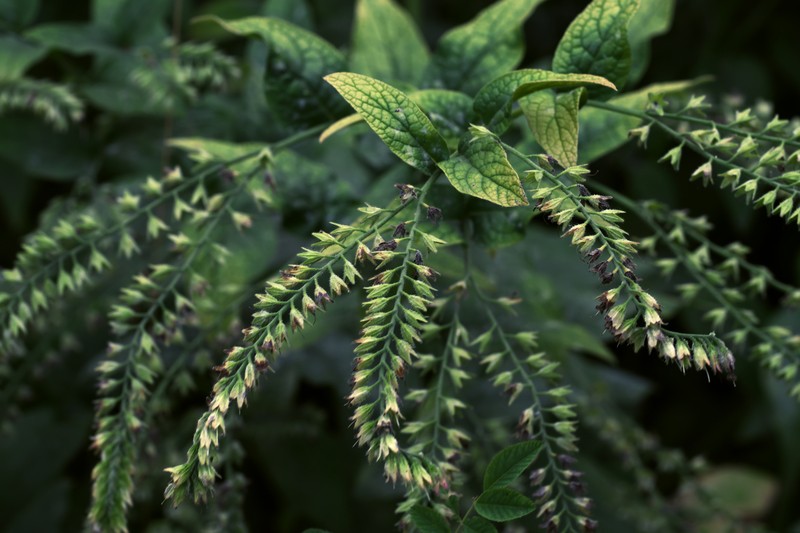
x,y
755,154
396,304
150,309
776,347
549,418
433,432
631,313
288,303
63,259
53,102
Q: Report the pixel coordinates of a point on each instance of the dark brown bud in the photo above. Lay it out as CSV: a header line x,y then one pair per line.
x,y
583,190
268,346
577,487
434,214
321,298
599,268
227,175
417,258
389,245
631,276
629,264
399,230
606,278
565,460
407,192
269,181
572,475
593,255
222,370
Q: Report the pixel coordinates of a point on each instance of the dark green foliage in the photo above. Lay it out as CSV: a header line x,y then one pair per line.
x,y
174,170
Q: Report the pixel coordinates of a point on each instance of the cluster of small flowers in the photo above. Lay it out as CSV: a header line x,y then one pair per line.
x,y
396,303
288,303
631,314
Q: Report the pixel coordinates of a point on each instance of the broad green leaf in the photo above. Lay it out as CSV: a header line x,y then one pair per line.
x,y
16,56
74,38
482,170
448,110
653,18
603,131
426,520
386,43
503,504
297,61
597,41
476,524
493,102
509,463
471,55
398,121
553,119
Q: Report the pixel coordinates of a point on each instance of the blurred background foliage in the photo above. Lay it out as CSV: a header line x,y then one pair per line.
x,y
298,458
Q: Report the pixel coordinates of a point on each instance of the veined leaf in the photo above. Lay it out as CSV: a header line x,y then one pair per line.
x,y
398,121
493,102
553,119
448,110
503,504
386,43
482,170
297,61
597,41
508,464
471,55
426,520
603,131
